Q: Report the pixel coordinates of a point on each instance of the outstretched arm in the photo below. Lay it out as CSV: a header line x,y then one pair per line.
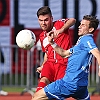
x,y
40,68
59,50
96,53
70,22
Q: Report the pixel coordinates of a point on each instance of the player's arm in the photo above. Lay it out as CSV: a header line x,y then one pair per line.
x,y
96,54
45,58
40,68
59,50
70,22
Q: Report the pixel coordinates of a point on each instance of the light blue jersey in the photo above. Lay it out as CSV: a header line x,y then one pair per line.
x,y
75,81
79,61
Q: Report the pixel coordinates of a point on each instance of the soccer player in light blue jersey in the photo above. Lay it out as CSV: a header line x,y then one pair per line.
x,y
75,81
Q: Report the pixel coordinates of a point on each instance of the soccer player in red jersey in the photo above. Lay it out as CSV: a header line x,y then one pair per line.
x,y
53,66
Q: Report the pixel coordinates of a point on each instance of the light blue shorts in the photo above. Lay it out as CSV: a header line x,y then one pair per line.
x,y
61,90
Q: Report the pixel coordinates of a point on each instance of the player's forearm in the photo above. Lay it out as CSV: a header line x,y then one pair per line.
x,y
45,59
68,24
98,60
60,51
96,54
99,71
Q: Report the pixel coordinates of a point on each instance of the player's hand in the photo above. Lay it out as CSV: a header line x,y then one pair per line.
x,y
39,69
57,32
99,72
50,36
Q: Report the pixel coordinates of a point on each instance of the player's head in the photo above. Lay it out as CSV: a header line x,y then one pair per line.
x,y
94,22
44,11
88,25
45,18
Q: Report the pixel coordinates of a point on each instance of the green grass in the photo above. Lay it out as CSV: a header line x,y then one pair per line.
x,y
13,89
16,89
20,89
91,89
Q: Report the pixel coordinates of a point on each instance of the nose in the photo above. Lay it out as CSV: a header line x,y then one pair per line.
x,y
79,26
43,22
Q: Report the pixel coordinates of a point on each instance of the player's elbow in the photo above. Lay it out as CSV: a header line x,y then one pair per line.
x,y
73,20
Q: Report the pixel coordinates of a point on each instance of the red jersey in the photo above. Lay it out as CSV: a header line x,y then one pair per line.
x,y
63,40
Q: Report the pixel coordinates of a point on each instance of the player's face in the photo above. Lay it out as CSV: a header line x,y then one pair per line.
x,y
46,22
84,27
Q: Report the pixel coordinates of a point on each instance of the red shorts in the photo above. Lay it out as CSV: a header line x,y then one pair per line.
x,y
53,71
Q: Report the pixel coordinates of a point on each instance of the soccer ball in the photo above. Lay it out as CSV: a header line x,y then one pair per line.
x,y
25,39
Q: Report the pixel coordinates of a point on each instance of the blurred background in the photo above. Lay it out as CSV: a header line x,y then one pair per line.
x,y
18,66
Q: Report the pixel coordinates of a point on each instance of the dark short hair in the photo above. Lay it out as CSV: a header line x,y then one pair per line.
x,y
94,22
43,11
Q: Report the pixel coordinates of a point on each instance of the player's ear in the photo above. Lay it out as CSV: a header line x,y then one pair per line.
x,y
91,29
52,18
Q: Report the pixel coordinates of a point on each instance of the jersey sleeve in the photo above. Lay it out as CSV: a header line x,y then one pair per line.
x,y
71,50
86,44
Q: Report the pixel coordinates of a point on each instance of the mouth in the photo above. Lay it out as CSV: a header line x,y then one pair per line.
x,y
79,30
43,26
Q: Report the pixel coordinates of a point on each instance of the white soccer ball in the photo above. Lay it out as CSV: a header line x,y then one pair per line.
x,y
25,39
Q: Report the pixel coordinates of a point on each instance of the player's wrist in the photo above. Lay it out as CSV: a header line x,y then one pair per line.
x,y
62,29
42,66
99,67
54,45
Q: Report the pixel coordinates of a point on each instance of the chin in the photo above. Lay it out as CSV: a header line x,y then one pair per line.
x,y
79,34
44,29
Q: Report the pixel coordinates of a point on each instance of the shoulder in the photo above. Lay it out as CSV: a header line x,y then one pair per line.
x,y
88,41
87,38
